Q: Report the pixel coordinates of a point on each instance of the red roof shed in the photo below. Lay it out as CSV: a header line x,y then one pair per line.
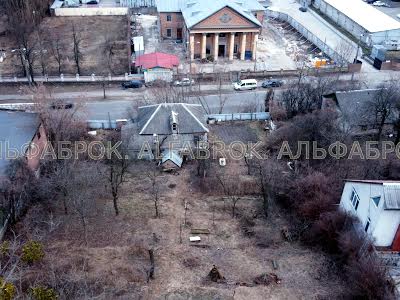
x,y
157,60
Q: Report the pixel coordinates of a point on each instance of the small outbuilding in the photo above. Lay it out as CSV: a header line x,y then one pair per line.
x,y
171,160
157,66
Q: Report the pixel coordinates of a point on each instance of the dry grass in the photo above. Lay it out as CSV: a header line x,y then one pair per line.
x,y
115,262
93,32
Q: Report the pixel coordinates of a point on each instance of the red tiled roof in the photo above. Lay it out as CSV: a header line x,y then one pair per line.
x,y
157,59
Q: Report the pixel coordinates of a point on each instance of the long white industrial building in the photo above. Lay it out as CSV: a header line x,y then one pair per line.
x,y
362,20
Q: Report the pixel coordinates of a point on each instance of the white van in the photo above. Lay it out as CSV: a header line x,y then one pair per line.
x,y
245,84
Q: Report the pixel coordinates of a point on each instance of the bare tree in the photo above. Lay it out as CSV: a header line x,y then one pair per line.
x,y
118,164
153,175
57,51
23,19
382,106
78,55
232,189
108,50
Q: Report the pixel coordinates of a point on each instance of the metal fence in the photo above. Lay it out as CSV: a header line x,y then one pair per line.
x,y
74,79
258,116
138,3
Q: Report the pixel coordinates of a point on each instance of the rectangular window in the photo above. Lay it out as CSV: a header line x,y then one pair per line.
x,y
367,224
169,18
38,135
169,32
354,199
376,200
222,35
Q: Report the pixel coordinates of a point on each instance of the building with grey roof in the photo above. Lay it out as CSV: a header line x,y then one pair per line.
x,y
216,28
376,203
21,135
166,130
357,109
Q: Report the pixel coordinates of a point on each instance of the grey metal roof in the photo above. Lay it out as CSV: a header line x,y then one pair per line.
x,y
355,106
195,11
391,192
169,5
172,156
155,119
17,130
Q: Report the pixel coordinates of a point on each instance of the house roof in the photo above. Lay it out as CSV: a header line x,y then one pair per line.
x,y
157,60
156,119
194,11
391,191
365,15
17,130
169,5
173,156
355,106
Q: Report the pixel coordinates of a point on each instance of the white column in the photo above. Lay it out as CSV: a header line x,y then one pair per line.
x,y
231,45
191,46
216,45
203,45
243,46
254,48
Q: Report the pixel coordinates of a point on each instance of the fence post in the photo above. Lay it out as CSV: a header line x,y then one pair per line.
x,y
93,77
62,77
109,76
77,77
15,78
126,76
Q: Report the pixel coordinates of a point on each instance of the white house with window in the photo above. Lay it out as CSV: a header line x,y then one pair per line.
x,y
376,203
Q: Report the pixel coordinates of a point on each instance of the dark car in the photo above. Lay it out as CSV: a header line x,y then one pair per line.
x,y
92,2
61,105
272,83
303,9
133,84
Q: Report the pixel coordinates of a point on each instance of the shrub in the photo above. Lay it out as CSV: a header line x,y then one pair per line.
x,y
4,248
43,293
327,229
7,292
368,280
32,252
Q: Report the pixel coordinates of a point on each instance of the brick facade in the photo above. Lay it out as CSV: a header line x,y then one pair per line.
x,y
172,21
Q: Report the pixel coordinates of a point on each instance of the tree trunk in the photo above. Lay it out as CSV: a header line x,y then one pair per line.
x,y
115,202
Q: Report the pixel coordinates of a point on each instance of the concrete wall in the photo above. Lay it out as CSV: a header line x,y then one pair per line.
x,y
91,11
384,223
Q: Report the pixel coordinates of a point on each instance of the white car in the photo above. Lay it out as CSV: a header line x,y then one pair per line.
x,y
184,82
380,3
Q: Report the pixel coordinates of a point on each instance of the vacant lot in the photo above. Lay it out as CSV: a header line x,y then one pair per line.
x,y
104,44
114,264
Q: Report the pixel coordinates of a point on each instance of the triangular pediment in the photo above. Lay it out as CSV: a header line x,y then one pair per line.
x,y
226,18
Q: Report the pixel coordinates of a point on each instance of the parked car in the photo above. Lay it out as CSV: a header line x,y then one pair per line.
x,y
245,84
61,105
380,3
92,2
184,82
133,84
303,9
272,83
